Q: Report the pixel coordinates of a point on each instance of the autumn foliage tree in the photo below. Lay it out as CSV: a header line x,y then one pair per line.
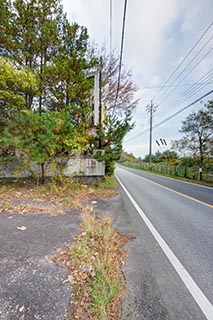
x,y
126,100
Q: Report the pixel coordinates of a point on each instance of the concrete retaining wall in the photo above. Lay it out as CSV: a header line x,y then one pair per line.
x,y
72,167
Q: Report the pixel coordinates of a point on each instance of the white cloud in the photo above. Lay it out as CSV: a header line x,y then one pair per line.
x,y
155,81
91,15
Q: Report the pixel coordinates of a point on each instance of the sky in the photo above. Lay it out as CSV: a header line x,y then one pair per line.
x,y
158,36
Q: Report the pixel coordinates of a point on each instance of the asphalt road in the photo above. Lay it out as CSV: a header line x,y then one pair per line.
x,y
31,285
182,214
198,192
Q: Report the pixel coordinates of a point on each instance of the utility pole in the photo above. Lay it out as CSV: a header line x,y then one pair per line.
x,y
100,106
150,108
110,31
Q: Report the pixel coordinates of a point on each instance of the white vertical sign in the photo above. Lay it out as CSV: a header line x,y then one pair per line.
x,y
96,98
96,76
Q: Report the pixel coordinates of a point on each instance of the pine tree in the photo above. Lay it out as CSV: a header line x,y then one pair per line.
x,y
70,88
34,38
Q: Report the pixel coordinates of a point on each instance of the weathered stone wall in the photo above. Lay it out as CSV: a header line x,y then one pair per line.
x,y
71,167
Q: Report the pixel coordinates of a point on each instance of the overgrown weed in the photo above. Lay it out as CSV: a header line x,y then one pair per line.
x,y
96,256
58,191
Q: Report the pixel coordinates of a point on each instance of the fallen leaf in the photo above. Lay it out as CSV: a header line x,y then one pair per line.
x,y
70,279
21,309
29,260
22,228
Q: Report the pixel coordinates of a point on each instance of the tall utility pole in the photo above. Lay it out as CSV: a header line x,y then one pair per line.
x,y
100,104
110,31
150,108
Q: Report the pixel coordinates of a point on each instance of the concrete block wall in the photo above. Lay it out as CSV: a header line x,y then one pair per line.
x,y
71,167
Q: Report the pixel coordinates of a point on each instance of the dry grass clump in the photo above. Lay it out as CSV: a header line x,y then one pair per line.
x,y
95,259
55,197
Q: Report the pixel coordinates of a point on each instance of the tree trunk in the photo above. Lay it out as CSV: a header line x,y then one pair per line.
x,y
42,173
201,151
41,72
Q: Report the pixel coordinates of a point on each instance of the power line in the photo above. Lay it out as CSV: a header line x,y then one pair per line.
x,y
184,59
191,94
179,84
195,91
172,116
181,110
203,80
186,94
199,85
140,115
203,57
190,62
121,53
170,86
143,112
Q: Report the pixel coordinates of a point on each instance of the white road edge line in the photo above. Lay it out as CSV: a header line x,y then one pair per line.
x,y
203,303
